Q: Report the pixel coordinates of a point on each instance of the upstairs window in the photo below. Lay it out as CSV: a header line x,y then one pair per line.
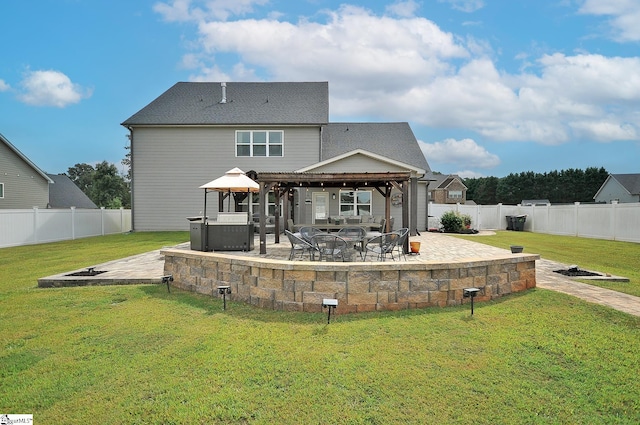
x,y
265,143
455,194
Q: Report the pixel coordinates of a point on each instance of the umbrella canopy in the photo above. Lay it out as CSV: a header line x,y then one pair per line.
x,y
234,180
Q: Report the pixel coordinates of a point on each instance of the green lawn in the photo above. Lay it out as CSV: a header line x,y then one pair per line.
x,y
139,355
613,257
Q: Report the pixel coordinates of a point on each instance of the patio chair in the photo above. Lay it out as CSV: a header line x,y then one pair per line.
x,y
307,232
298,245
382,246
354,220
329,246
403,234
354,235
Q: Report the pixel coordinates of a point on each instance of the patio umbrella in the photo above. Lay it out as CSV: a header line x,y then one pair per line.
x,y
234,180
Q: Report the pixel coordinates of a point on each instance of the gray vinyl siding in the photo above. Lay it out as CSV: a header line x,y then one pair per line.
x,y
169,165
357,164
613,190
23,186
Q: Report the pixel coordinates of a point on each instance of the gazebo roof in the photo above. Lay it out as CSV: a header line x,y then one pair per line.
x,y
352,180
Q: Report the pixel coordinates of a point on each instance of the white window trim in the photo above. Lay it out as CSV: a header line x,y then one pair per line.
x,y
267,144
355,200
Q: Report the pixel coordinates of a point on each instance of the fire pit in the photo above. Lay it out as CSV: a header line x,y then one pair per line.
x,y
91,271
575,271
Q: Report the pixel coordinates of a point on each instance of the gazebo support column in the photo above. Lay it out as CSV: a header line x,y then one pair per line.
x,y
264,189
405,213
413,219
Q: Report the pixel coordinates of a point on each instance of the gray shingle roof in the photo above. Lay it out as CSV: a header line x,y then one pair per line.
x,y
24,158
631,182
65,194
188,103
392,140
441,181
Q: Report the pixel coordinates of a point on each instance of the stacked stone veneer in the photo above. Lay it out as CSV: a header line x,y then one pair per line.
x,y
301,285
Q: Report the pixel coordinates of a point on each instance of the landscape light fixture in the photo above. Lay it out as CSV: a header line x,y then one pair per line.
x,y
470,293
166,279
224,290
331,304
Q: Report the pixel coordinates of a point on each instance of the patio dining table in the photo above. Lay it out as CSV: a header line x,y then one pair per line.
x,y
354,243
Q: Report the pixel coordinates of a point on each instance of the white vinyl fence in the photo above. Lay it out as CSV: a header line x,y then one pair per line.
x,y
32,226
613,221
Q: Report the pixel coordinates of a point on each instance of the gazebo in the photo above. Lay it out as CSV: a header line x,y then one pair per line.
x,y
282,183
233,181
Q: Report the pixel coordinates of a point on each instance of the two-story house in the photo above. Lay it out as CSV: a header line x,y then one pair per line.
x,y
22,183
195,132
447,189
619,187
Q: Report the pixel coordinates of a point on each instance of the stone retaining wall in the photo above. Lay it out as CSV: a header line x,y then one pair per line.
x,y
301,285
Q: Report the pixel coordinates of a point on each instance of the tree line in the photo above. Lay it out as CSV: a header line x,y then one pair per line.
x,y
565,186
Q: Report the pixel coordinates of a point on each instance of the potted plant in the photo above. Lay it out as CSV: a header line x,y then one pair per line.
x,y
466,220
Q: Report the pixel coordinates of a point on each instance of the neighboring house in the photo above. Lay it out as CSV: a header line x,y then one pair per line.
x,y
619,187
447,189
535,202
65,194
22,183
195,132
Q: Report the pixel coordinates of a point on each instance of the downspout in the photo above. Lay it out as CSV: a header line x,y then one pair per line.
x,y
426,196
130,137
320,153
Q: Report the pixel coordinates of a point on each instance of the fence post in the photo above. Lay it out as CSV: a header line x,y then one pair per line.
x,y
121,220
499,210
614,219
35,224
102,220
73,223
575,217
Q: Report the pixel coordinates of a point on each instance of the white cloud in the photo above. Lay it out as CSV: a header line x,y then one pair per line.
x,y
408,69
4,86
465,153
465,5
469,174
625,15
405,9
50,88
199,10
362,64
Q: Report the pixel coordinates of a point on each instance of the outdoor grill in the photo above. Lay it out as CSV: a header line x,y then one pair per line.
x,y
230,232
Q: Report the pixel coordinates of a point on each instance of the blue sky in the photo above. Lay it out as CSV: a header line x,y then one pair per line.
x,y
489,87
